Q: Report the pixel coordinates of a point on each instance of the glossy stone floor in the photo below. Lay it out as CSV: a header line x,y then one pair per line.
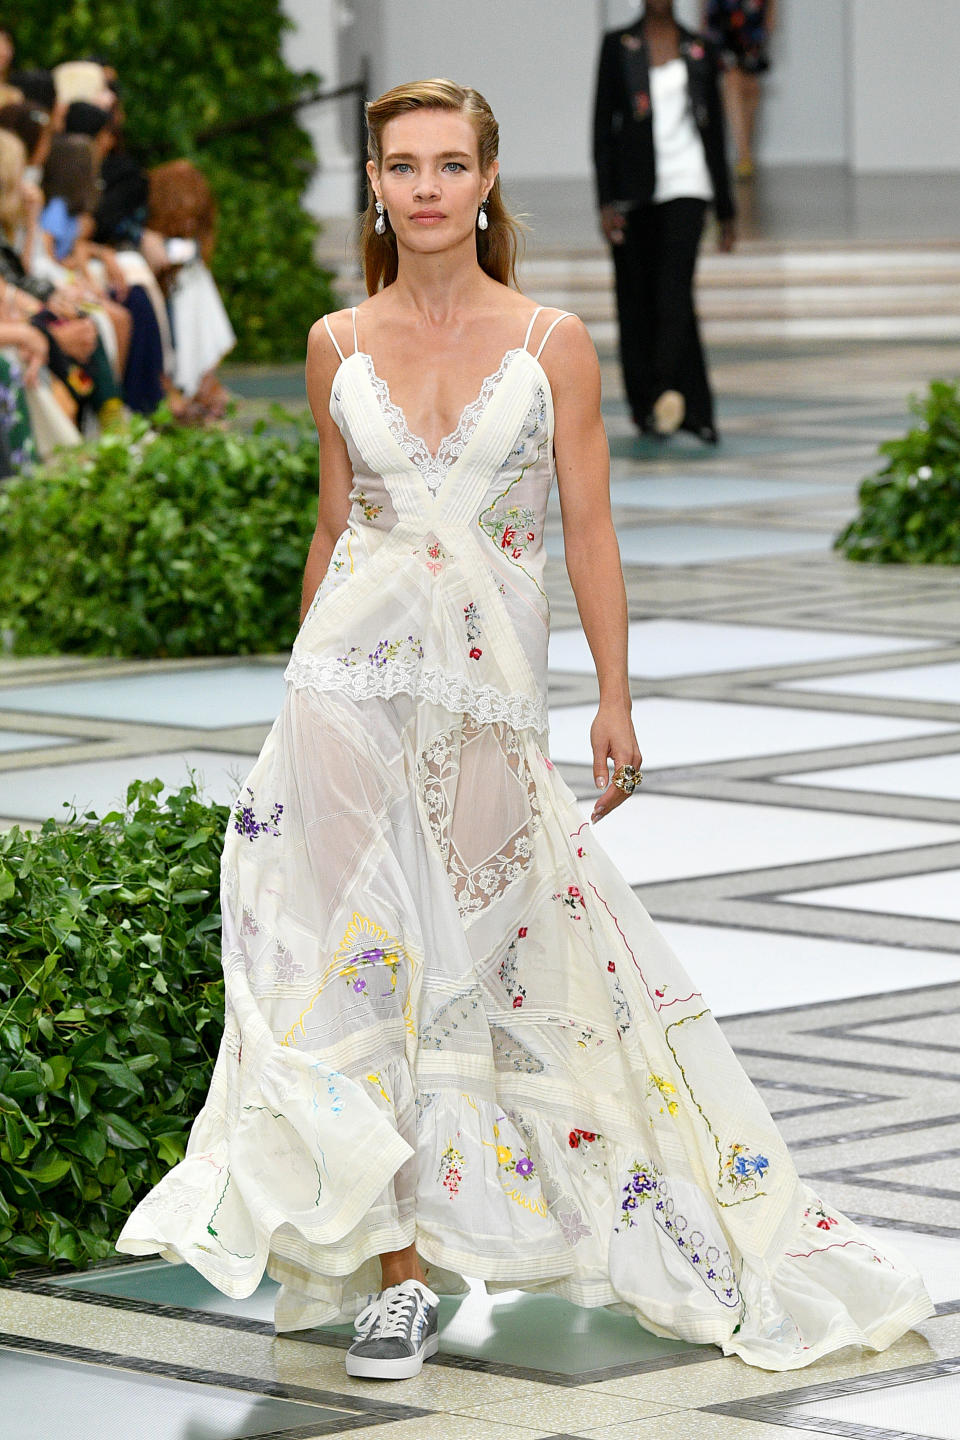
x,y
798,839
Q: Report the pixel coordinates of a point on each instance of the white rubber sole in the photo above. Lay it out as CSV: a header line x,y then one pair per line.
x,y
669,412
366,1367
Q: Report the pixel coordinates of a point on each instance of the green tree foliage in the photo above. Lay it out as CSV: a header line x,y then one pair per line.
x,y
157,541
910,511
186,68
111,1010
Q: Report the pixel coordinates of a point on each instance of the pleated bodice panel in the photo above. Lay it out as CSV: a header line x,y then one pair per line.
x,y
435,588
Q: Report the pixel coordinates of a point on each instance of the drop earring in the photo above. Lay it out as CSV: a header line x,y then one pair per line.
x,y
381,225
482,221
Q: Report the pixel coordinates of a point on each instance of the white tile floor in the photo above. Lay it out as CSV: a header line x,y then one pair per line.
x,y
668,837
935,896
241,694
11,740
701,544
934,776
920,1408
695,732
743,971
41,791
691,647
914,682
692,492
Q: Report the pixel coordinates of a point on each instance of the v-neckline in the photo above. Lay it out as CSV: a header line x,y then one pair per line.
x,y
433,466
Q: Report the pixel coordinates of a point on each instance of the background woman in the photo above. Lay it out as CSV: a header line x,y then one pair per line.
x,y
660,159
742,30
454,1041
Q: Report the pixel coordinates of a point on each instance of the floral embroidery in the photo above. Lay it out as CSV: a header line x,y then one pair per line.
x,y
451,1169
573,899
521,1166
448,1018
571,1223
714,1266
474,630
824,1221
576,1138
512,530
508,972
436,555
383,652
377,1082
657,1082
743,1170
621,1009
641,1183
246,823
370,510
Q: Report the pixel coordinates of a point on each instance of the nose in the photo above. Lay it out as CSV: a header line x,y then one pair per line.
x,y
428,185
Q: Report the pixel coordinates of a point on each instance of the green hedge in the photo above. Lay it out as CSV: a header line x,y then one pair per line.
x,y
111,1011
161,541
910,511
186,68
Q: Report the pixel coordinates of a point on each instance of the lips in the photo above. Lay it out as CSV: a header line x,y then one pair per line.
x,y
428,215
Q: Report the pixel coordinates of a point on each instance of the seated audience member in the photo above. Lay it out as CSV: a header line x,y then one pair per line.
x,y
40,96
119,225
182,207
76,354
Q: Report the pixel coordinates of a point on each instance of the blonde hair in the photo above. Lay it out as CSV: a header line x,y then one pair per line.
x,y
498,245
13,160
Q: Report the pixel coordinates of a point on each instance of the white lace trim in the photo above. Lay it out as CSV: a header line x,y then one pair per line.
x,y
434,467
408,675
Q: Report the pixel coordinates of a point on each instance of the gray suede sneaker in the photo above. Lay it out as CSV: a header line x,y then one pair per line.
x,y
395,1333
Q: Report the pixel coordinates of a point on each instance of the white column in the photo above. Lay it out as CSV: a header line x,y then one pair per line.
x,y
315,45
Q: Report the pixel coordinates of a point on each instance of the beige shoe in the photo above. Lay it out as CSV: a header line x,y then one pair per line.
x,y
668,412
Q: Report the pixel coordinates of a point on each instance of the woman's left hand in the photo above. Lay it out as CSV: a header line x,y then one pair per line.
x,y
613,739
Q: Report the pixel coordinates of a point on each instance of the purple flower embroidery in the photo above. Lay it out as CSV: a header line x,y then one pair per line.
x,y
524,1166
245,821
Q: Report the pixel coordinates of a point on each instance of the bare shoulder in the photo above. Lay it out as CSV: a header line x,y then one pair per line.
x,y
569,356
319,344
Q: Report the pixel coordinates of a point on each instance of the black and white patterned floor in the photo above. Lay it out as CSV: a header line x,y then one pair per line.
x,y
798,839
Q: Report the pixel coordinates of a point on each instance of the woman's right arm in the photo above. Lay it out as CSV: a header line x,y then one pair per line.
x,y
336,472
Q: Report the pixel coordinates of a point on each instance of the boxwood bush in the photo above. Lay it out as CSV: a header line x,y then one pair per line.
x,y
111,1010
161,541
185,69
910,510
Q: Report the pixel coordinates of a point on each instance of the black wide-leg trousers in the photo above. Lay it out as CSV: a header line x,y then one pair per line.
x,y
660,345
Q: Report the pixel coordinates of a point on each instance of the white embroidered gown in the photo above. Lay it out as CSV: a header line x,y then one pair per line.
x,y
448,1017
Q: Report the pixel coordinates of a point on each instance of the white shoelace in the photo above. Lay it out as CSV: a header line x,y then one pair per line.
x,y
391,1311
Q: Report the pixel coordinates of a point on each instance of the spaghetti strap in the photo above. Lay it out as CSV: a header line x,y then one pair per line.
x,y
526,338
550,328
333,338
356,342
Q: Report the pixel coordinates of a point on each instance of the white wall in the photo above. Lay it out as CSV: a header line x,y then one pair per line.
x,y
853,81
905,85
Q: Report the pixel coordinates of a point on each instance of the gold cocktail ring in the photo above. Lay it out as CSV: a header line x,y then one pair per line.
x,y
627,778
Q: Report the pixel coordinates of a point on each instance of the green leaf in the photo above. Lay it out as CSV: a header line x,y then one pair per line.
x,y
122,1133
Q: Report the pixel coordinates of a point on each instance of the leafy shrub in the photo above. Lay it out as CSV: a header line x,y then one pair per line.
x,y
160,541
910,511
111,1009
186,68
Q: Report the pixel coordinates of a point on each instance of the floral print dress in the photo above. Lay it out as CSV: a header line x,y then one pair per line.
x,y
449,1020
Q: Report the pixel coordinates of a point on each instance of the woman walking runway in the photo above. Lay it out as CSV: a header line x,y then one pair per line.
x,y
454,1043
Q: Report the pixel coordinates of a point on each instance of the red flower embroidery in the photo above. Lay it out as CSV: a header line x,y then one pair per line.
x,y
475,653
522,933
611,967
574,1140
517,1001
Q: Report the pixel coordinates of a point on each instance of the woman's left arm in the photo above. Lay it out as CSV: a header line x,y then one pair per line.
x,y
590,546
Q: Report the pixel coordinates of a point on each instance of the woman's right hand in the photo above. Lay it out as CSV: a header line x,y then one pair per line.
x,y
613,223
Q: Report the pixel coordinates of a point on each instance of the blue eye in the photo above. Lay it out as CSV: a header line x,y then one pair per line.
x,y
400,165
455,164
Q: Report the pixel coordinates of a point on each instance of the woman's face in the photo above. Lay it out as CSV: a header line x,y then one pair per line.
x,y
431,184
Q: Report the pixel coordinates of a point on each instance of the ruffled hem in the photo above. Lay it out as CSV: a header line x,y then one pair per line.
x,y
508,1198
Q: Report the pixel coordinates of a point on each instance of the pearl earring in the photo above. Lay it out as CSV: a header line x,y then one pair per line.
x,y
482,221
381,225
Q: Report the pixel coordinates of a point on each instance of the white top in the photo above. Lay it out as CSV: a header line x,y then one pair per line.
x,y
681,164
